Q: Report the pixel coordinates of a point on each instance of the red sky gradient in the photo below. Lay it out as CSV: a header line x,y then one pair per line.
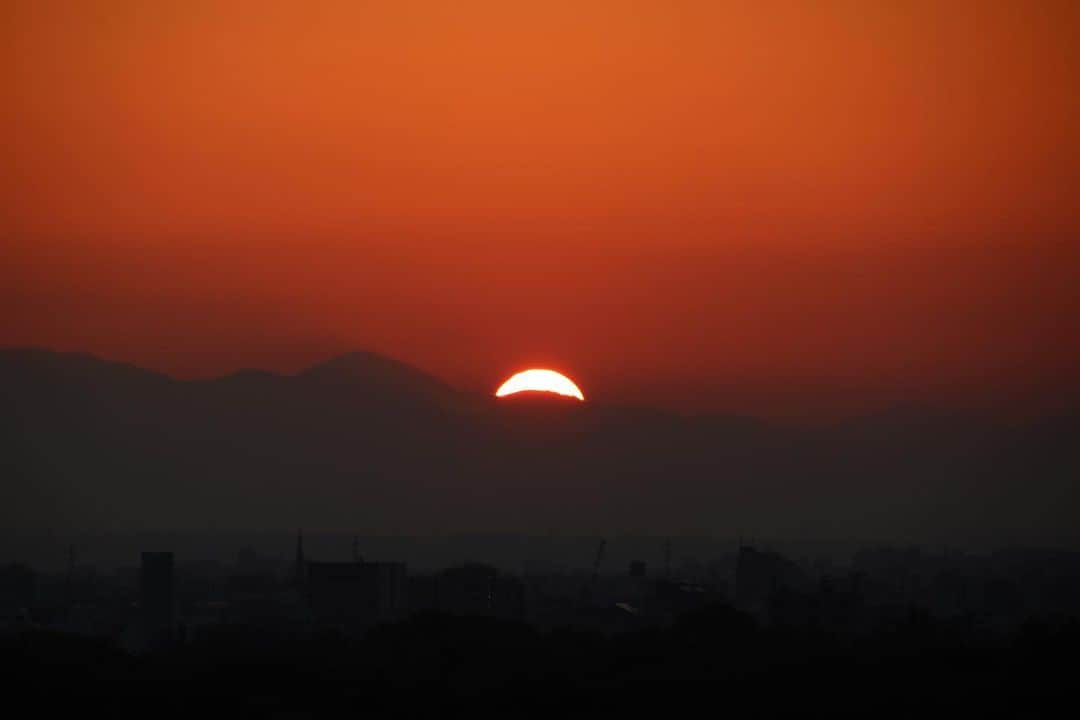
x,y
797,209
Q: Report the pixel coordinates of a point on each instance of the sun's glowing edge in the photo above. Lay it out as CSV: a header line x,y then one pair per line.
x,y
537,379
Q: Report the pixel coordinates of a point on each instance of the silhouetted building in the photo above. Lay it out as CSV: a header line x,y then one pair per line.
x,y
476,589
247,560
356,593
671,599
759,575
17,585
157,599
423,593
250,584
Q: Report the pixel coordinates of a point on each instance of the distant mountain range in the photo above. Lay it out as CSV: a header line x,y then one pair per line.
x,y
364,442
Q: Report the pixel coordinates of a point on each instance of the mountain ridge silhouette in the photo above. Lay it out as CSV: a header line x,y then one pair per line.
x,y
365,442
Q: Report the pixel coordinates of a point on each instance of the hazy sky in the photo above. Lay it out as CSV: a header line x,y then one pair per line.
x,y
793,208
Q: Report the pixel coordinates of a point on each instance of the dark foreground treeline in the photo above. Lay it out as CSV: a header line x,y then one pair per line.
x,y
714,662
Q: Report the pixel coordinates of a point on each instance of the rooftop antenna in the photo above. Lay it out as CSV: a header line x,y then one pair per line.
x,y
356,549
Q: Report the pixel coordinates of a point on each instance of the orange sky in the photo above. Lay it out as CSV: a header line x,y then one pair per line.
x,y
782,208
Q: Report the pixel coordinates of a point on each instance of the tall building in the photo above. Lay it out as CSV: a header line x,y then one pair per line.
x,y
356,593
759,575
157,599
476,589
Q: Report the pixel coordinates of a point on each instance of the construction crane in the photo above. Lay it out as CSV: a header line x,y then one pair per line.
x,y
586,590
596,562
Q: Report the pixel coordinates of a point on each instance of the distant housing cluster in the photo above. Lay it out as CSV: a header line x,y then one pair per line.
x,y
165,603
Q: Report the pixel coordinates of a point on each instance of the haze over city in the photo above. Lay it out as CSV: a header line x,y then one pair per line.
x,y
492,357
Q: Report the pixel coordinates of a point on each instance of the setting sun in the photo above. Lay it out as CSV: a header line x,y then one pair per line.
x,y
540,381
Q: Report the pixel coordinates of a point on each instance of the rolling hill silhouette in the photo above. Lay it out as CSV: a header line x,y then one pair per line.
x,y
365,442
